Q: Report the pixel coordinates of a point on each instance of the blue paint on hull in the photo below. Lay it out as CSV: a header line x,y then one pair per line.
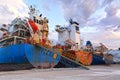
x,y
14,54
26,53
38,55
97,60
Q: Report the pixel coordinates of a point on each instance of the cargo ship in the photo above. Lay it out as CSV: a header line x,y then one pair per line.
x,y
25,42
70,45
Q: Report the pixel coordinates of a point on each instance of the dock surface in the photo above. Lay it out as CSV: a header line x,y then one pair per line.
x,y
101,72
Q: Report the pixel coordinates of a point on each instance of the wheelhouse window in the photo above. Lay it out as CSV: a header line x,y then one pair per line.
x,y
77,28
34,19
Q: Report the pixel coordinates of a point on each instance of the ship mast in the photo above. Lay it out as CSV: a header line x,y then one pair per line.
x,y
32,12
41,23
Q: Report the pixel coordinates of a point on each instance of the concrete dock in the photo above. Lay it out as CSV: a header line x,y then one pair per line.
x,y
102,72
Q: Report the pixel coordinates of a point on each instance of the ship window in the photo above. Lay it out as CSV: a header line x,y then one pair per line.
x,y
16,27
77,28
27,34
47,21
39,21
34,19
21,34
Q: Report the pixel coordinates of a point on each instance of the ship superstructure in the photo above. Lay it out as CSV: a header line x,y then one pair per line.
x,y
40,29
69,35
69,43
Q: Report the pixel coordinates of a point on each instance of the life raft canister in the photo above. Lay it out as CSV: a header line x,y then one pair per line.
x,y
33,25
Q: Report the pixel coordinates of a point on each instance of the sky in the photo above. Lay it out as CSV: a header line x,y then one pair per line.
x,y
99,19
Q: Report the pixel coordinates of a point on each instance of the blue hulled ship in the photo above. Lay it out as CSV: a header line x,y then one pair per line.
x,y
19,40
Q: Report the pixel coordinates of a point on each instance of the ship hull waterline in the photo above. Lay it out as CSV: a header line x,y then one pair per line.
x,y
41,57
13,57
25,56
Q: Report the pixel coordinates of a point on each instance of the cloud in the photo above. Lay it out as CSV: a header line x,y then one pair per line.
x,y
112,15
79,10
106,2
110,38
11,9
101,16
53,36
84,11
45,5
